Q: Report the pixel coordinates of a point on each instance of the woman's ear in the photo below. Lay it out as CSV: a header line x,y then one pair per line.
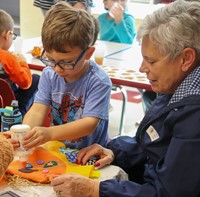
x,y
89,52
189,57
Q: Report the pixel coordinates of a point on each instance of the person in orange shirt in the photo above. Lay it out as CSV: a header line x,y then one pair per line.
x,y
13,67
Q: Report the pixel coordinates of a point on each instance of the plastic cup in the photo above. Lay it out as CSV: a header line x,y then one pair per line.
x,y
99,55
17,132
18,43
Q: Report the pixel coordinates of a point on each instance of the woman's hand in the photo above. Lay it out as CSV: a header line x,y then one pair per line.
x,y
74,185
106,156
36,137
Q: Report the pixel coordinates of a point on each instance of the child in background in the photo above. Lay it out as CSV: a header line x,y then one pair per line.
x,y
116,25
13,67
75,87
45,5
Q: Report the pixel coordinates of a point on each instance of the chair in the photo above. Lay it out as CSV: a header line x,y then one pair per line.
x,y
6,93
1,102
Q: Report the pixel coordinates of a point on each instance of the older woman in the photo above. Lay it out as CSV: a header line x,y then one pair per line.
x,y
167,144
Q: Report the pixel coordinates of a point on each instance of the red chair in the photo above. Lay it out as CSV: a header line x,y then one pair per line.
x,y
6,93
1,102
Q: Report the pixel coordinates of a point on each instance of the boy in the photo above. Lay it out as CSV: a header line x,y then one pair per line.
x,y
13,67
75,87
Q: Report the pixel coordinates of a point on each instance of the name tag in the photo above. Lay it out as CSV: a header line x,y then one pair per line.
x,y
152,133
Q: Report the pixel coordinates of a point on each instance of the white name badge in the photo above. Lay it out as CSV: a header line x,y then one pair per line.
x,y
152,133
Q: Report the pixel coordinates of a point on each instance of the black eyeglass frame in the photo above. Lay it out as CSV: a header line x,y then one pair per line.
x,y
14,35
65,66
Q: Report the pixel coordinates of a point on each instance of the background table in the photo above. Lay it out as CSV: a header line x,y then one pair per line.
x,y
121,62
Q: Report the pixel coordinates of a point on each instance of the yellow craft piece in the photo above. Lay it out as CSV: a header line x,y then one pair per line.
x,y
53,147
87,170
50,153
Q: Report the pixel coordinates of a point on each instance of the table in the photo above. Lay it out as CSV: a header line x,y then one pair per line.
x,y
121,61
108,172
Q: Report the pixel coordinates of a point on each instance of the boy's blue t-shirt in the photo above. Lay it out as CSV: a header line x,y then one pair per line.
x,y
124,32
87,96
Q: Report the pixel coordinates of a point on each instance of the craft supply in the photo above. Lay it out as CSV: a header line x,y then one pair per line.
x,y
10,115
17,132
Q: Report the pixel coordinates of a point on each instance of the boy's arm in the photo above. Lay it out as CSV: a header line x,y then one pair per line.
x,y
69,131
75,129
36,115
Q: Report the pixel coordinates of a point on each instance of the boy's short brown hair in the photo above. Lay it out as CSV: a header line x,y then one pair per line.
x,y
6,22
65,26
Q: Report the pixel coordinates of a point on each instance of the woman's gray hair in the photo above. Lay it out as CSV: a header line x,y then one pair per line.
x,y
173,28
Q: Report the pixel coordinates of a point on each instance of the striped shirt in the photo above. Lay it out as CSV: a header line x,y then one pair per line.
x,y
46,4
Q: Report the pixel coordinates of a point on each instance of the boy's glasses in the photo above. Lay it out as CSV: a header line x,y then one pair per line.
x,y
63,65
14,35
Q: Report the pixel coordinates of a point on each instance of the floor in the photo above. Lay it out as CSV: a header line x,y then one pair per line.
x,y
133,113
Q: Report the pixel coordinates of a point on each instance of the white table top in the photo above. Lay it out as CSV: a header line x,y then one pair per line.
x,y
121,61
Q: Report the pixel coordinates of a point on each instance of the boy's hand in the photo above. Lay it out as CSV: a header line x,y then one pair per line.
x,y
19,57
36,137
117,11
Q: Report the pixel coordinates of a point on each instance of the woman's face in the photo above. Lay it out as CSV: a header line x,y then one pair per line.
x,y
164,75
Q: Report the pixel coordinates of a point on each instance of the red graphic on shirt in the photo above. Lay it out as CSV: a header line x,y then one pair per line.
x,y
69,108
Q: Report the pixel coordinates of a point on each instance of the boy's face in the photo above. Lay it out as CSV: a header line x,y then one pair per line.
x,y
70,64
6,40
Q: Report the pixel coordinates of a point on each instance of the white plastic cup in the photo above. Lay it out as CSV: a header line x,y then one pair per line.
x,y
99,54
18,43
113,7
17,132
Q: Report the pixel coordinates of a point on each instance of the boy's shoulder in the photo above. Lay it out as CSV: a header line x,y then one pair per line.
x,y
5,52
6,55
98,71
